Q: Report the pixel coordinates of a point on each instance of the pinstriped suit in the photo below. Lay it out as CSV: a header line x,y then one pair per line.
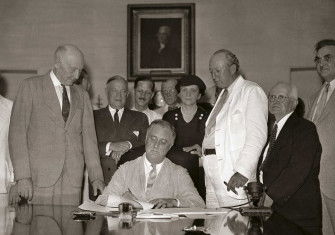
x,y
172,181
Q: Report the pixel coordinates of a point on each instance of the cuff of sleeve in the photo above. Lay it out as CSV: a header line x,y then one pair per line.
x,y
108,152
244,172
130,145
178,203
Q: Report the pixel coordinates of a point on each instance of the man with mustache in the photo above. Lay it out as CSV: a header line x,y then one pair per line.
x,y
144,89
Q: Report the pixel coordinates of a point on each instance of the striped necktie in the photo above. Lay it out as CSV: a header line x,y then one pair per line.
x,y
272,141
319,107
212,119
152,176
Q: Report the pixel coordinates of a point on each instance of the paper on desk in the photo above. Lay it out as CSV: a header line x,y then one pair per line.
x,y
189,211
155,215
92,206
115,200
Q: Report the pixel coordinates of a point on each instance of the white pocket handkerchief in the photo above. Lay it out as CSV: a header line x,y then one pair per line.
x,y
136,133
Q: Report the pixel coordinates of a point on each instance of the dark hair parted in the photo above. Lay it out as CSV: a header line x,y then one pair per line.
x,y
323,43
143,79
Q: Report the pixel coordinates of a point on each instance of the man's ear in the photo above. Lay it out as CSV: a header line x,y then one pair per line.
x,y
199,96
233,69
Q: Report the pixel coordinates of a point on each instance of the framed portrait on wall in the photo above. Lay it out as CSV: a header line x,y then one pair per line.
x,y
160,40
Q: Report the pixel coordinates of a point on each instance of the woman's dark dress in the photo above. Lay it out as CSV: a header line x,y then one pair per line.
x,y
188,134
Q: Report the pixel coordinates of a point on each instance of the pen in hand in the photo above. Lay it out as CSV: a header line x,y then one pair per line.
x,y
230,188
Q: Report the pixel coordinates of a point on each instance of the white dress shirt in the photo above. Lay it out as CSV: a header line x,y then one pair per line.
x,y
280,125
112,112
59,89
148,168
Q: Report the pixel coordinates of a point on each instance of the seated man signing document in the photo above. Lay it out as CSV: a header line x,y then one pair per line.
x,y
154,178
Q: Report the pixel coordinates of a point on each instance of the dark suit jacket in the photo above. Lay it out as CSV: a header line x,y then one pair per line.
x,y
290,173
40,141
131,123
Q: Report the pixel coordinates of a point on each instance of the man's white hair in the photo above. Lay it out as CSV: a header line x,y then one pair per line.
x,y
291,88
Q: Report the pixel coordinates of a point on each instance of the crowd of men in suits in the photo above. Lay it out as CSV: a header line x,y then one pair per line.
x,y
53,135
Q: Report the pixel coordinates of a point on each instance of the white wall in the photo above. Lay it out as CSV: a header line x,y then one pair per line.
x,y
268,36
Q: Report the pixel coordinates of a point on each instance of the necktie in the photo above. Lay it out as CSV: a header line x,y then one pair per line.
x,y
152,176
272,141
116,117
319,107
215,112
66,104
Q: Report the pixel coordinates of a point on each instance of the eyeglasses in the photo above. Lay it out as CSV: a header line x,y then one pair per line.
x,y
279,98
328,58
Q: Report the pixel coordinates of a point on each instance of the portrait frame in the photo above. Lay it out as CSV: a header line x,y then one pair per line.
x,y
146,54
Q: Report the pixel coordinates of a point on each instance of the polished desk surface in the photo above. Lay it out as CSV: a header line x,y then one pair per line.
x,y
28,219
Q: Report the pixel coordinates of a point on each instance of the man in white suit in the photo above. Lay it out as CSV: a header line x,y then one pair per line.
x,y
154,178
236,132
8,190
321,110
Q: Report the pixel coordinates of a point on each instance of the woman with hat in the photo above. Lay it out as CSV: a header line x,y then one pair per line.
x,y
189,122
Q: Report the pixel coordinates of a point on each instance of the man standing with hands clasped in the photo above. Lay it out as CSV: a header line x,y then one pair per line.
x,y
118,128
236,131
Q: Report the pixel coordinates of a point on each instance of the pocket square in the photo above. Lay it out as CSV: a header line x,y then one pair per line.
x,y
136,133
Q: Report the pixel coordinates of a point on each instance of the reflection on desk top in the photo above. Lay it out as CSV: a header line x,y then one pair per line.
x,y
58,220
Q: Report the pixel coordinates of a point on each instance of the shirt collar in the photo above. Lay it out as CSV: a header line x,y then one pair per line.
x,y
282,122
54,79
145,110
112,111
148,167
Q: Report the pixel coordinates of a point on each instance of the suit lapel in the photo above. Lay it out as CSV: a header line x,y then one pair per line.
x,y
142,175
330,104
124,118
282,139
52,102
75,98
235,91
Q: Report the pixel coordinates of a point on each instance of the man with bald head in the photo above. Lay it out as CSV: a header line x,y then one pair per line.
x,y
290,163
170,96
52,135
235,133
118,128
